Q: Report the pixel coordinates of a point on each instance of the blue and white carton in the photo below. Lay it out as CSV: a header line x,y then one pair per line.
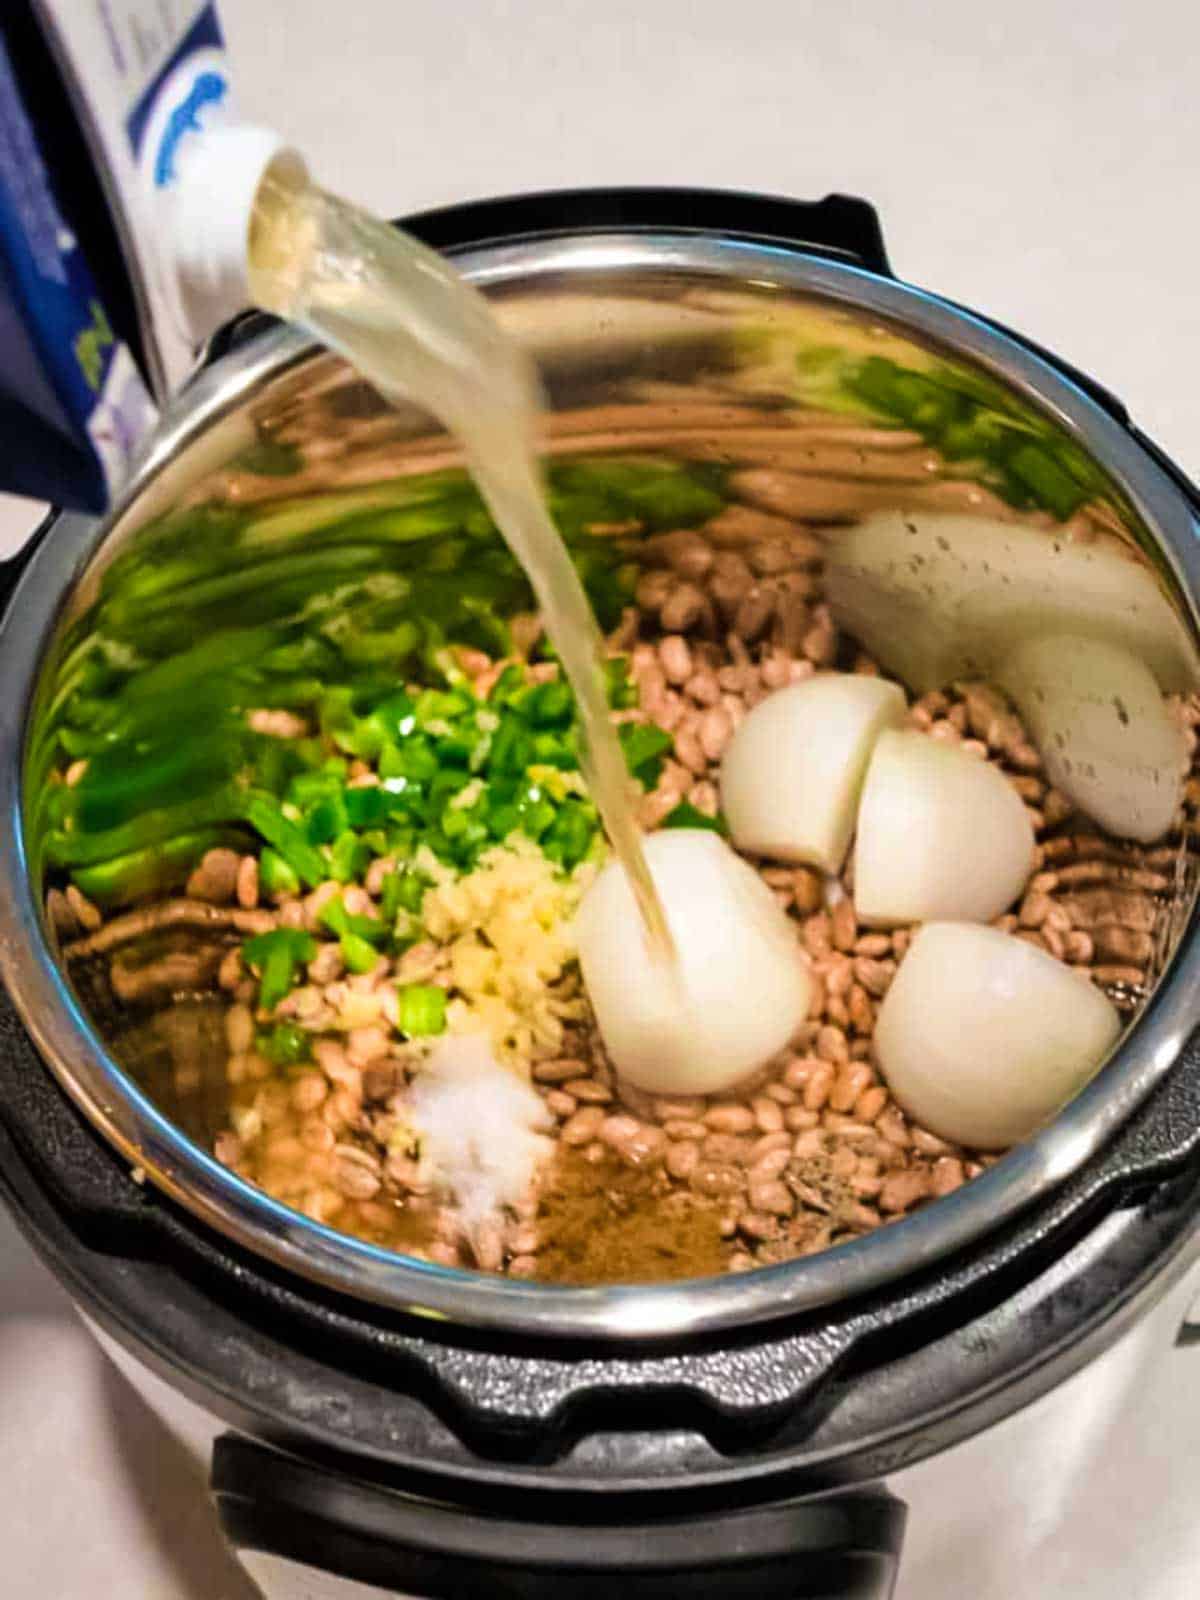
x,y
97,100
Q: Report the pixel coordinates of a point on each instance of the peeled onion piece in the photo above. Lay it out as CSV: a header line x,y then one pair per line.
x,y
792,772
740,988
982,1037
1107,739
937,596
942,835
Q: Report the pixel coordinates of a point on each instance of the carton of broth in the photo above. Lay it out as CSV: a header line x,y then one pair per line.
x,y
97,100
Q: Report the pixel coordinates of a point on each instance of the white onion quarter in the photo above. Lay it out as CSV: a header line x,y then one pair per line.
x,y
792,773
982,1037
1106,736
743,983
937,595
942,836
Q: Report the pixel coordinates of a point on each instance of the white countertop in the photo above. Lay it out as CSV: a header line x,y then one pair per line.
x,y
100,1501
1037,160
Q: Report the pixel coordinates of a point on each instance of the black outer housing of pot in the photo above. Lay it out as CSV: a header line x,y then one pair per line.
x,y
843,1547
406,1452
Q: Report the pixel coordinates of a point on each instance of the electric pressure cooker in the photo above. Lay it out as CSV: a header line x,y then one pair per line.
x,y
381,1425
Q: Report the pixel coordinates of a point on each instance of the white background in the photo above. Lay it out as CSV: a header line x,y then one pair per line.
x,y
1037,159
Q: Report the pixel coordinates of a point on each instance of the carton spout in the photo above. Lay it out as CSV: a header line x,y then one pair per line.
x,y
212,207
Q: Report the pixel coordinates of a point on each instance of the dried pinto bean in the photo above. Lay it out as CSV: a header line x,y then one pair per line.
x,y
772,1197
851,1080
758,1225
902,1190
583,1126
780,1140
715,1180
767,1114
819,1086
682,1159
726,1147
729,1118
771,1164
684,1128
589,1091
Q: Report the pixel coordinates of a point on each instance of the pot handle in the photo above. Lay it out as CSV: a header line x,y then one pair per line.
x,y
286,1517
841,226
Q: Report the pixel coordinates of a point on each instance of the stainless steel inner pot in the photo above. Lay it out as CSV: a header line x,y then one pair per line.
x,y
662,344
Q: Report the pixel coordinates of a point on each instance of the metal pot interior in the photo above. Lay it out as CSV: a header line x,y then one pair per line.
x,y
722,419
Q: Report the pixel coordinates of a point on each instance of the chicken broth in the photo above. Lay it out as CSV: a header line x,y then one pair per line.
x,y
415,327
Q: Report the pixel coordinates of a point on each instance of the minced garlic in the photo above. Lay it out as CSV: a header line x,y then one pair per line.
x,y
507,927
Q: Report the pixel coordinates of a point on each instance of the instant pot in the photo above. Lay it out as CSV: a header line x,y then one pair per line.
x,y
385,1426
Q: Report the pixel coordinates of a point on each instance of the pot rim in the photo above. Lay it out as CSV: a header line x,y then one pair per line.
x,y
76,1054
